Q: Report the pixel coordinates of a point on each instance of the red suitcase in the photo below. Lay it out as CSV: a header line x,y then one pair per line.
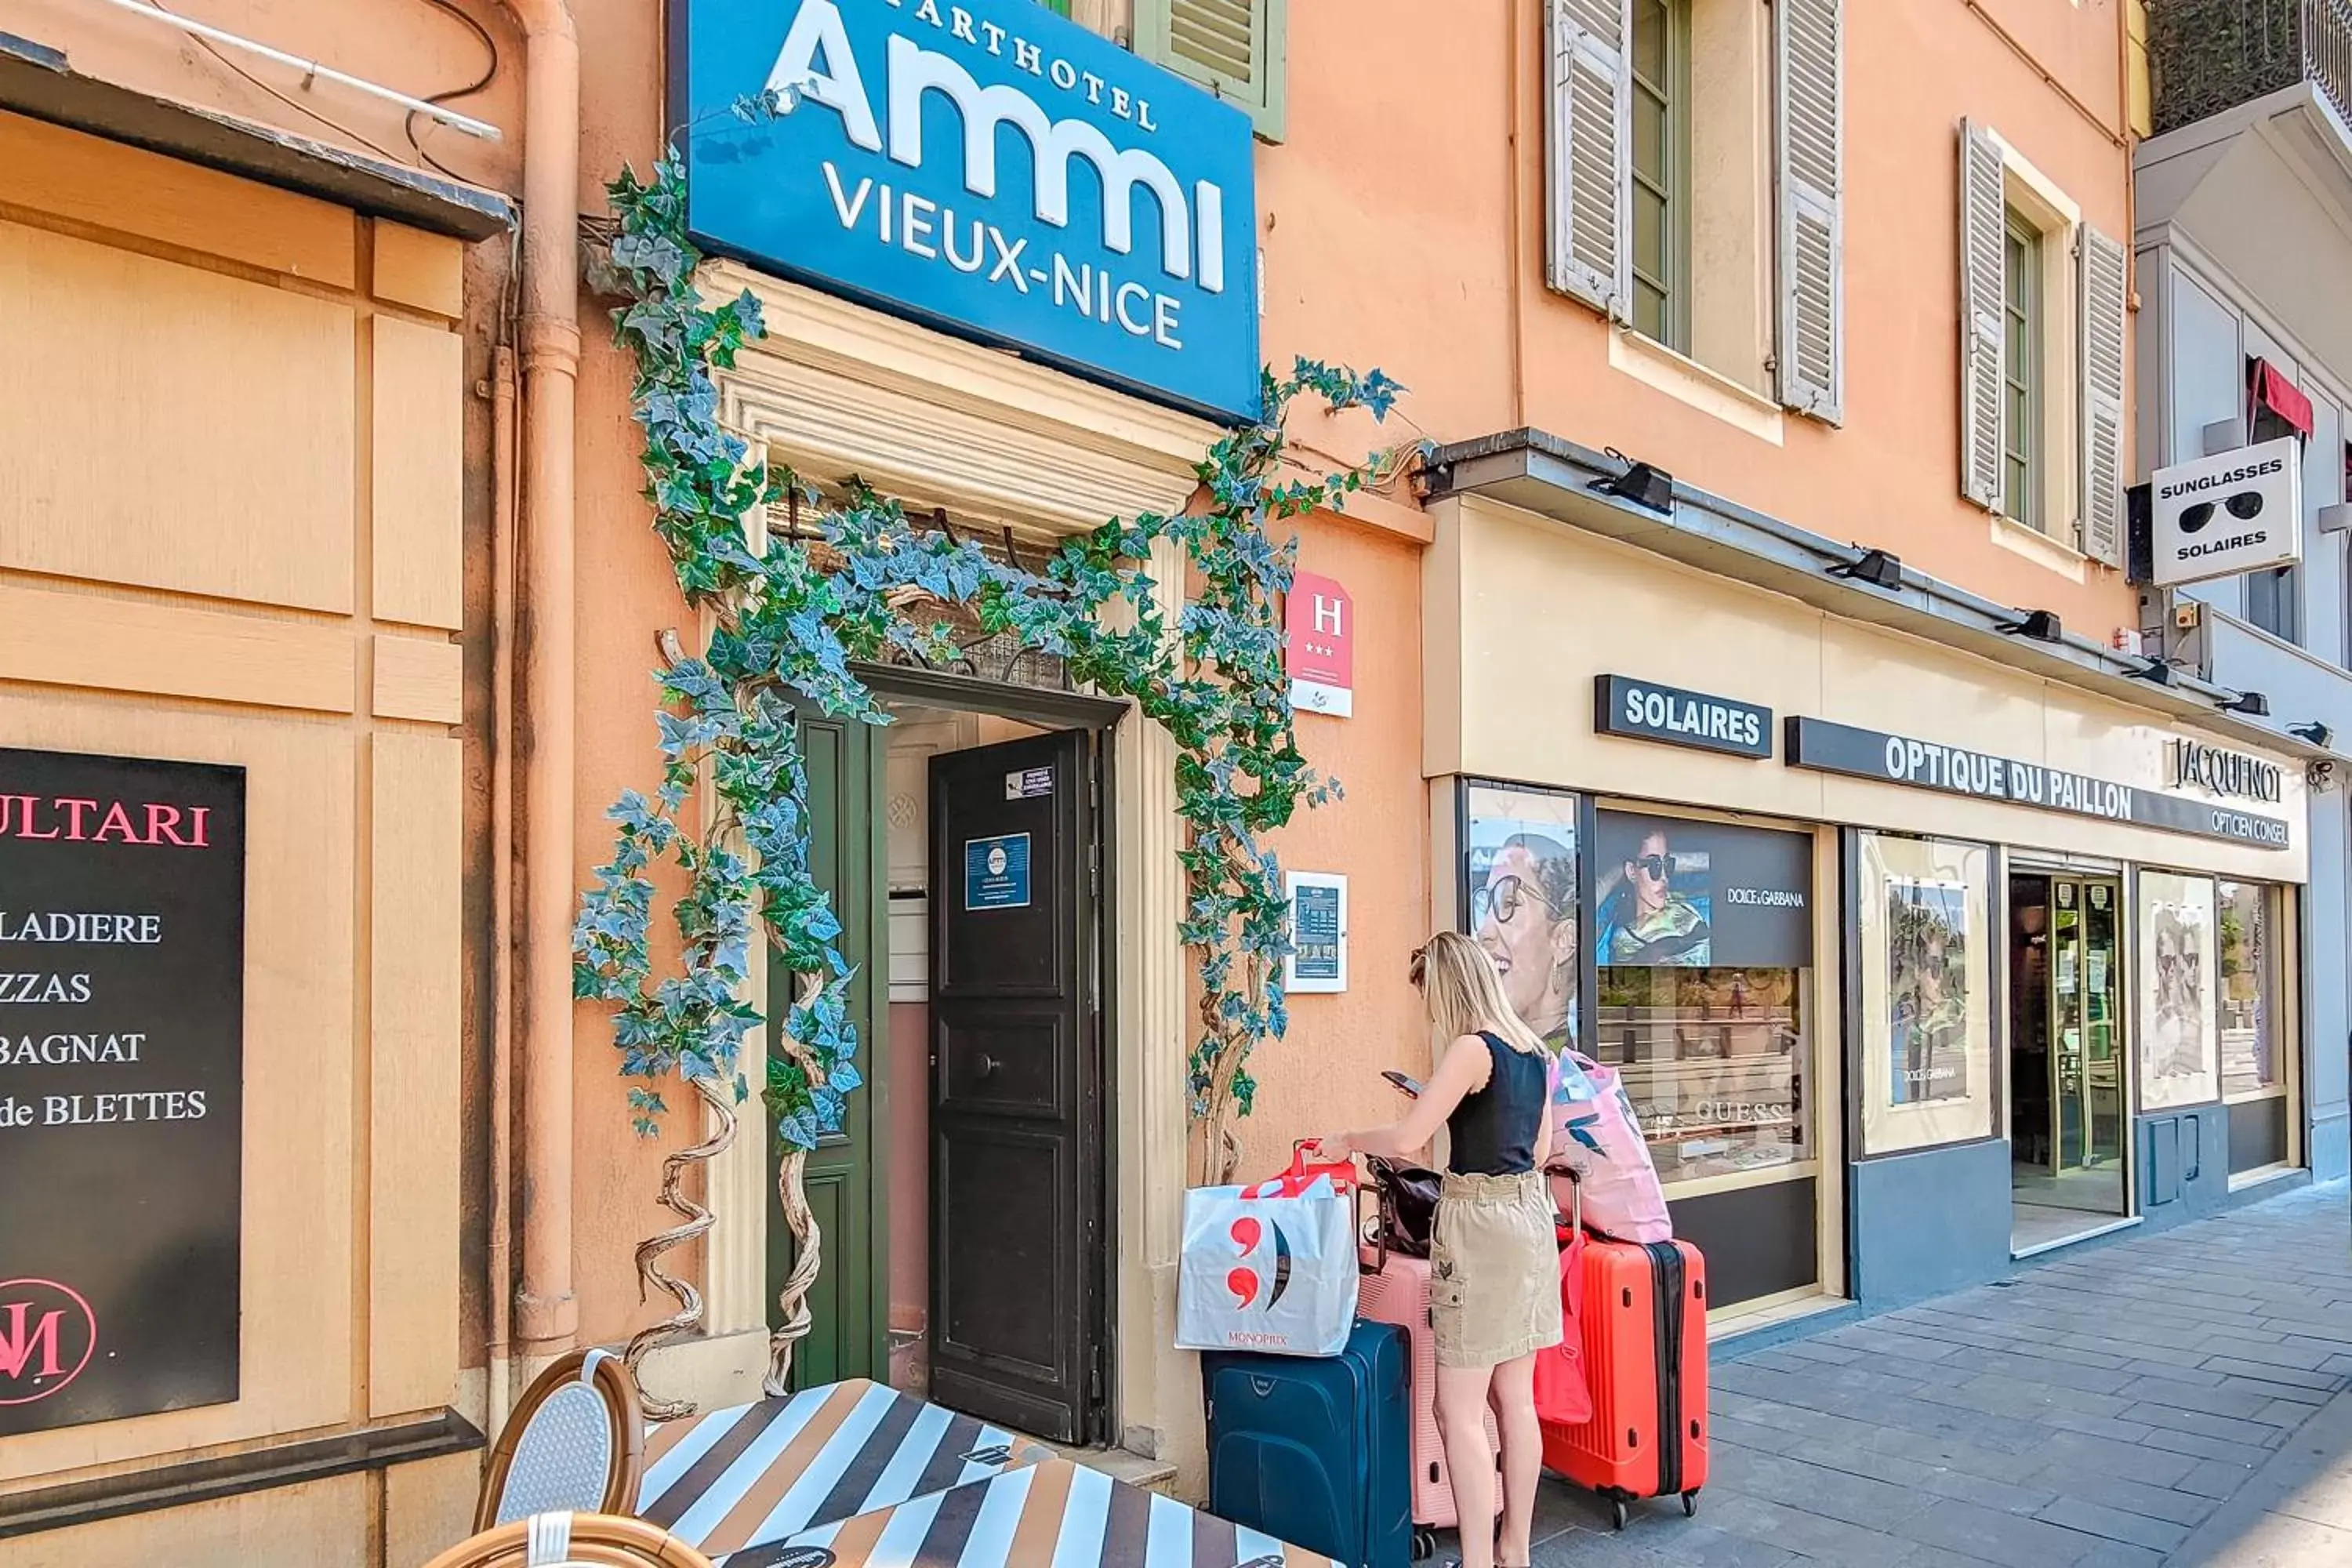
x,y
1395,1289
1645,1330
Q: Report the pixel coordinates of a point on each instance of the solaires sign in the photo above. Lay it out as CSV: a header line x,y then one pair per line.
x,y
990,169
2234,512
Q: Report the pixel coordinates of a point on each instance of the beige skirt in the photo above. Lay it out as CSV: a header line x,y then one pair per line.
x,y
1494,1271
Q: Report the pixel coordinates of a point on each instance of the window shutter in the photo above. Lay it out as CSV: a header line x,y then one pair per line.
x,y
1983,225
2106,283
1585,149
1808,176
1235,48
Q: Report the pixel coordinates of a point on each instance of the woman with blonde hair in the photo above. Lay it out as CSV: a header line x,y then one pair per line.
x,y
1494,1259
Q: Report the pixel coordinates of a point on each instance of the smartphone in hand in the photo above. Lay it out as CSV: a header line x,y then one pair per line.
x,y
1409,1085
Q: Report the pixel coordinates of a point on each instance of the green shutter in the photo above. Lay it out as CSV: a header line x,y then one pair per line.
x,y
1235,48
1060,7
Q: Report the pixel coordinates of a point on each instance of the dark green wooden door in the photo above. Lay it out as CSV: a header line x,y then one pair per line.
x,y
850,1302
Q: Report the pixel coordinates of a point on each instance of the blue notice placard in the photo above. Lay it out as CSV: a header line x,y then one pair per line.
x,y
1314,937
996,872
989,168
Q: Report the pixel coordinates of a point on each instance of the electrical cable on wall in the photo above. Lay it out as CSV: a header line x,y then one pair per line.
x,y
489,74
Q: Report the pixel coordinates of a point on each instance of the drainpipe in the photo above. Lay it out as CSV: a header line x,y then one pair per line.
x,y
547,1314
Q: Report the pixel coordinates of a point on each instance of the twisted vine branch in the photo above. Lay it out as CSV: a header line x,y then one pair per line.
x,y
699,1220
808,1241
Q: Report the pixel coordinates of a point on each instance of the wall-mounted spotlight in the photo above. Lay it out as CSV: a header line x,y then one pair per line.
x,y
2042,626
2156,672
2251,703
1879,568
1643,484
2317,733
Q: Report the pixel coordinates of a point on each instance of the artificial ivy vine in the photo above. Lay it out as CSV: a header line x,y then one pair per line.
x,y
858,580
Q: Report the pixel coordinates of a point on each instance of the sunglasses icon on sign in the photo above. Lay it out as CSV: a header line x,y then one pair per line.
x,y
2245,505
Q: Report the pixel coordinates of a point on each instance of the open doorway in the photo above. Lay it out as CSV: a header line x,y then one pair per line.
x,y
2067,1112
964,1201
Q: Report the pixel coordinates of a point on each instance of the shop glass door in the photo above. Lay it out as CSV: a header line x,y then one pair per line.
x,y
2066,1055
2087,1063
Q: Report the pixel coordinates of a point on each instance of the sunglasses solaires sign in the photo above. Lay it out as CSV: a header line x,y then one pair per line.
x,y
2239,510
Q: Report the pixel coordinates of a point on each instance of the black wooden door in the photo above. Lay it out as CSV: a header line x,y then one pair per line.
x,y
1016,1167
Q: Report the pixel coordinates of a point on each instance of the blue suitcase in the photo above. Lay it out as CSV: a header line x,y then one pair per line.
x,y
1315,1450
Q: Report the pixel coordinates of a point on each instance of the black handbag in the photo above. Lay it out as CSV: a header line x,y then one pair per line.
x,y
1408,1205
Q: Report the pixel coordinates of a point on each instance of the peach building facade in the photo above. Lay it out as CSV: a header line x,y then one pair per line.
x,y
1708,311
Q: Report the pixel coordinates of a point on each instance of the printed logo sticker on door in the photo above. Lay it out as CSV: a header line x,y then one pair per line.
x,y
996,872
1028,783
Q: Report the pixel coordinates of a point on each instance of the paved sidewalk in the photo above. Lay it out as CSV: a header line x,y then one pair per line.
x,y
2096,1412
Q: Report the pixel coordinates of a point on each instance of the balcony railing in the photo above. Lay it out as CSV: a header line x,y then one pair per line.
x,y
2208,55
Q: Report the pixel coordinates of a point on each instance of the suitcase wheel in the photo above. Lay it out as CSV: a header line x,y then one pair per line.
x,y
1690,1503
1617,1513
1424,1545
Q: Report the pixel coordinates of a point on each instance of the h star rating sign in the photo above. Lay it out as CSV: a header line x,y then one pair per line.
x,y
1320,620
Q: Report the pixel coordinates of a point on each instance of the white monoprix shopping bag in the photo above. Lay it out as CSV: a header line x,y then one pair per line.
x,y
1270,1266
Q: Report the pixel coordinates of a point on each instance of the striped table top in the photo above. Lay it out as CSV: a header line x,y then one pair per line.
x,y
1052,1514
741,1479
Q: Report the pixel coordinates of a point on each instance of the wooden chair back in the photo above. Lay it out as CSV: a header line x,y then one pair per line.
x,y
572,1541
576,1442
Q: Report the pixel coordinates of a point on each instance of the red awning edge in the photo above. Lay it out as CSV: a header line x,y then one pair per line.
x,y
2274,391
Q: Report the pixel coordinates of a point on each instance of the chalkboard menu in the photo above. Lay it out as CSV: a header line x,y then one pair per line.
x,y
121,1065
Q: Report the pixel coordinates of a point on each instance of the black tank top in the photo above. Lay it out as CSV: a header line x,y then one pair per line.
x,y
1492,1131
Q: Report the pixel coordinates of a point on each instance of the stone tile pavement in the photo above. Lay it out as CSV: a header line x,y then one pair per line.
x,y
2148,1400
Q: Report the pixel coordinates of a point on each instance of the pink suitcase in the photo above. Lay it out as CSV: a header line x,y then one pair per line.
x,y
1398,1293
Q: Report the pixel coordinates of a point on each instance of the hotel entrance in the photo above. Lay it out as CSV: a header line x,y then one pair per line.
x,y
2067,1113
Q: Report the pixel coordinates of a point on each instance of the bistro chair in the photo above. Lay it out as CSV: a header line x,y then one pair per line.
x,y
561,1540
576,1442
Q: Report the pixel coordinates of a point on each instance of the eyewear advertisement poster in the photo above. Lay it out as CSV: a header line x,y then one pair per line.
x,y
1701,895
1926,1014
2179,1052
1704,933
1519,849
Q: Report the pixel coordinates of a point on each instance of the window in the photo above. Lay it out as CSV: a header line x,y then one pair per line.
x,y
2255,1078
2179,1057
1703,941
2021,417
1711,222
2249,1053
1923,912
2273,599
1520,864
1235,48
2043,353
1661,174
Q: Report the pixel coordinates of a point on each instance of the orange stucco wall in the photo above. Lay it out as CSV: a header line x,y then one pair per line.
x,y
1403,222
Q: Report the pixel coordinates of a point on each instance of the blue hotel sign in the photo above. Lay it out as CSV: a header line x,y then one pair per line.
x,y
989,168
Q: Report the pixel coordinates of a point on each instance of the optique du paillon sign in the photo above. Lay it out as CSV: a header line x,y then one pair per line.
x,y
990,169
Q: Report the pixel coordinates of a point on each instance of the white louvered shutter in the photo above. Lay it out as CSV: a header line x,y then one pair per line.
x,y
1586,141
1235,48
1984,230
1810,167
2106,283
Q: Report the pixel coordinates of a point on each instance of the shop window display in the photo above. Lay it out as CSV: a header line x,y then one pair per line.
x,y
1520,855
1703,941
2249,1039
1923,906
2179,1050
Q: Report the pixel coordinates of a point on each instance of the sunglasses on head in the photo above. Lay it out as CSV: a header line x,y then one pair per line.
x,y
2245,505
1655,867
